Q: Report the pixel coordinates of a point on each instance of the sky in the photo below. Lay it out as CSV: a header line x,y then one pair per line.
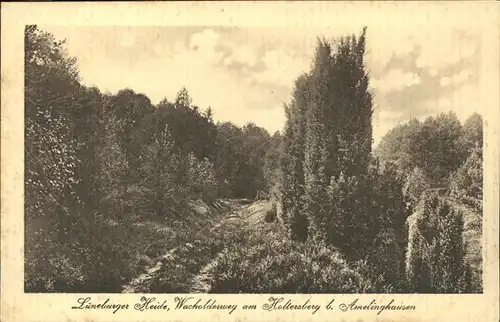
x,y
247,73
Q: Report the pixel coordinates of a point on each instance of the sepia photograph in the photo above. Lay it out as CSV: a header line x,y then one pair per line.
x,y
251,160
311,166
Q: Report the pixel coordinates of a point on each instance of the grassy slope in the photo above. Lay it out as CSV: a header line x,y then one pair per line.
x,y
106,249
179,270
176,246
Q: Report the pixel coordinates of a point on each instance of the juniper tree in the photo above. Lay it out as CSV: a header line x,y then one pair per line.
x,y
328,132
339,133
158,171
292,162
354,110
436,250
317,153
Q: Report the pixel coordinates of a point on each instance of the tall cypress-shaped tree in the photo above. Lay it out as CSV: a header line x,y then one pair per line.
x,y
328,131
316,149
342,122
354,110
292,162
348,123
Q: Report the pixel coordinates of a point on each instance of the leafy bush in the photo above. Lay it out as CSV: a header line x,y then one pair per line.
x,y
104,250
99,254
414,144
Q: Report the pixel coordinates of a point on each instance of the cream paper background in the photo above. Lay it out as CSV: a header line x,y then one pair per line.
x,y
17,306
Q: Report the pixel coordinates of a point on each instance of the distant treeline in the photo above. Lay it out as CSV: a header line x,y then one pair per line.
x,y
439,145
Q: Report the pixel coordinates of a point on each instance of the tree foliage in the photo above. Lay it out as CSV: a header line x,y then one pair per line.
x,y
328,132
472,133
93,159
467,183
272,173
51,86
416,184
241,159
438,146
435,261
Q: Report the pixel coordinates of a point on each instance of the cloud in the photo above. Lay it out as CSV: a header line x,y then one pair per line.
x,y
205,40
281,68
247,80
243,55
395,79
430,49
458,78
160,48
447,49
433,72
378,54
201,49
463,100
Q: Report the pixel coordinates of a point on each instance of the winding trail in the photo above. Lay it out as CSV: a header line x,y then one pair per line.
x,y
202,282
241,215
246,216
137,282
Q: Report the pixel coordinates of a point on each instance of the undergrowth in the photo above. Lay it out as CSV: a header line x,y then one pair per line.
x,y
263,260
102,251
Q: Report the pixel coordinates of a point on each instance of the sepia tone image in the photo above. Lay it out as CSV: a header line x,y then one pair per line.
x,y
212,159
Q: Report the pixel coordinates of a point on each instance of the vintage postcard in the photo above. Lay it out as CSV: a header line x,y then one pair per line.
x,y
250,161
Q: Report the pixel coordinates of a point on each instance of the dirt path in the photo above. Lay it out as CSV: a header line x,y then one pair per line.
x,y
240,215
247,216
202,282
133,285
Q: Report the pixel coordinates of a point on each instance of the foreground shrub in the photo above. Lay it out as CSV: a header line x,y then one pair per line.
x,y
98,252
271,264
364,218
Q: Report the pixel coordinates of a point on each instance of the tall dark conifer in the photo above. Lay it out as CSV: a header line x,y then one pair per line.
x,y
328,130
292,162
